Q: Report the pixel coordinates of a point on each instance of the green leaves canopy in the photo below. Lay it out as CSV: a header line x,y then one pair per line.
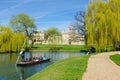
x,y
52,35
51,32
102,23
23,23
10,41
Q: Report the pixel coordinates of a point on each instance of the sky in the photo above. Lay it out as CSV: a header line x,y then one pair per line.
x,y
47,13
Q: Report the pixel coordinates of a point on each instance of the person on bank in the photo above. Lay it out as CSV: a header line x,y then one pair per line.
x,y
22,53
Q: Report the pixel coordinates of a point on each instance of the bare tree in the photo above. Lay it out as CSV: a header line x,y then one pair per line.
x,y
80,24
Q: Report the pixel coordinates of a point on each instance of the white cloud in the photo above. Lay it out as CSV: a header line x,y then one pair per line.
x,y
38,17
13,7
20,3
55,22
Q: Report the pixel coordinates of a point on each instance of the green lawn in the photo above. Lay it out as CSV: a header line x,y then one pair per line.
x,y
115,58
67,69
53,47
60,47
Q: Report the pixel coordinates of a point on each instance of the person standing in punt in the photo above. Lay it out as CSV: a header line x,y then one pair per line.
x,y
22,53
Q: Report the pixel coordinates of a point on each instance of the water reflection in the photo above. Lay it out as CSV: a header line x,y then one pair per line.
x,y
9,71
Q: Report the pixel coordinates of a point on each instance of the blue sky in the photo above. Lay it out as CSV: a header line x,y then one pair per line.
x,y
47,13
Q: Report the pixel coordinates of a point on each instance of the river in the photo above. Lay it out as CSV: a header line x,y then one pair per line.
x,y
9,71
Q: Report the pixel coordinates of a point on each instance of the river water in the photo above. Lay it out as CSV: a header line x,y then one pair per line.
x,y
9,71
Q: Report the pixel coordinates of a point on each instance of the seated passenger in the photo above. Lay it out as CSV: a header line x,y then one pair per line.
x,y
26,60
41,58
36,60
44,58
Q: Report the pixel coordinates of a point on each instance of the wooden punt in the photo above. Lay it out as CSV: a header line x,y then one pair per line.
x,y
31,62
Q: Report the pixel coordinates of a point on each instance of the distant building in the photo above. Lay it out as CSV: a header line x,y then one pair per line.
x,y
38,37
68,37
72,37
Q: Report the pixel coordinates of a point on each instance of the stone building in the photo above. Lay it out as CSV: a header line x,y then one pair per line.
x,y
68,37
72,37
38,37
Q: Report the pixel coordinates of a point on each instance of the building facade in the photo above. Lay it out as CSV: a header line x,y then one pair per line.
x,y
72,37
38,37
68,37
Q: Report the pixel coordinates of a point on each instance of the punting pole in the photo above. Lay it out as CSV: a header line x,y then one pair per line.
x,y
22,48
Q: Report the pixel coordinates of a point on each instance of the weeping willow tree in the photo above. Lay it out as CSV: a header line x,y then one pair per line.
x,y
10,41
102,23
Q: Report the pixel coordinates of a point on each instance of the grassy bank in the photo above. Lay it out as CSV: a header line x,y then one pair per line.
x,y
115,58
59,47
49,47
68,69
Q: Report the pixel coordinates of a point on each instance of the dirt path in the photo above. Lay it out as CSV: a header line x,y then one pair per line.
x,y
100,67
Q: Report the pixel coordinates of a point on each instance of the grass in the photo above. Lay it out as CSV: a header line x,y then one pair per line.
x,y
67,69
115,58
53,47
60,47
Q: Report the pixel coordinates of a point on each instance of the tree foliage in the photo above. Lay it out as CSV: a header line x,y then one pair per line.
x,y
24,23
102,23
51,34
10,41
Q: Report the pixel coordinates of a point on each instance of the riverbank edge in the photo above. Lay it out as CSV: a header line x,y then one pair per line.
x,y
54,69
42,51
55,51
